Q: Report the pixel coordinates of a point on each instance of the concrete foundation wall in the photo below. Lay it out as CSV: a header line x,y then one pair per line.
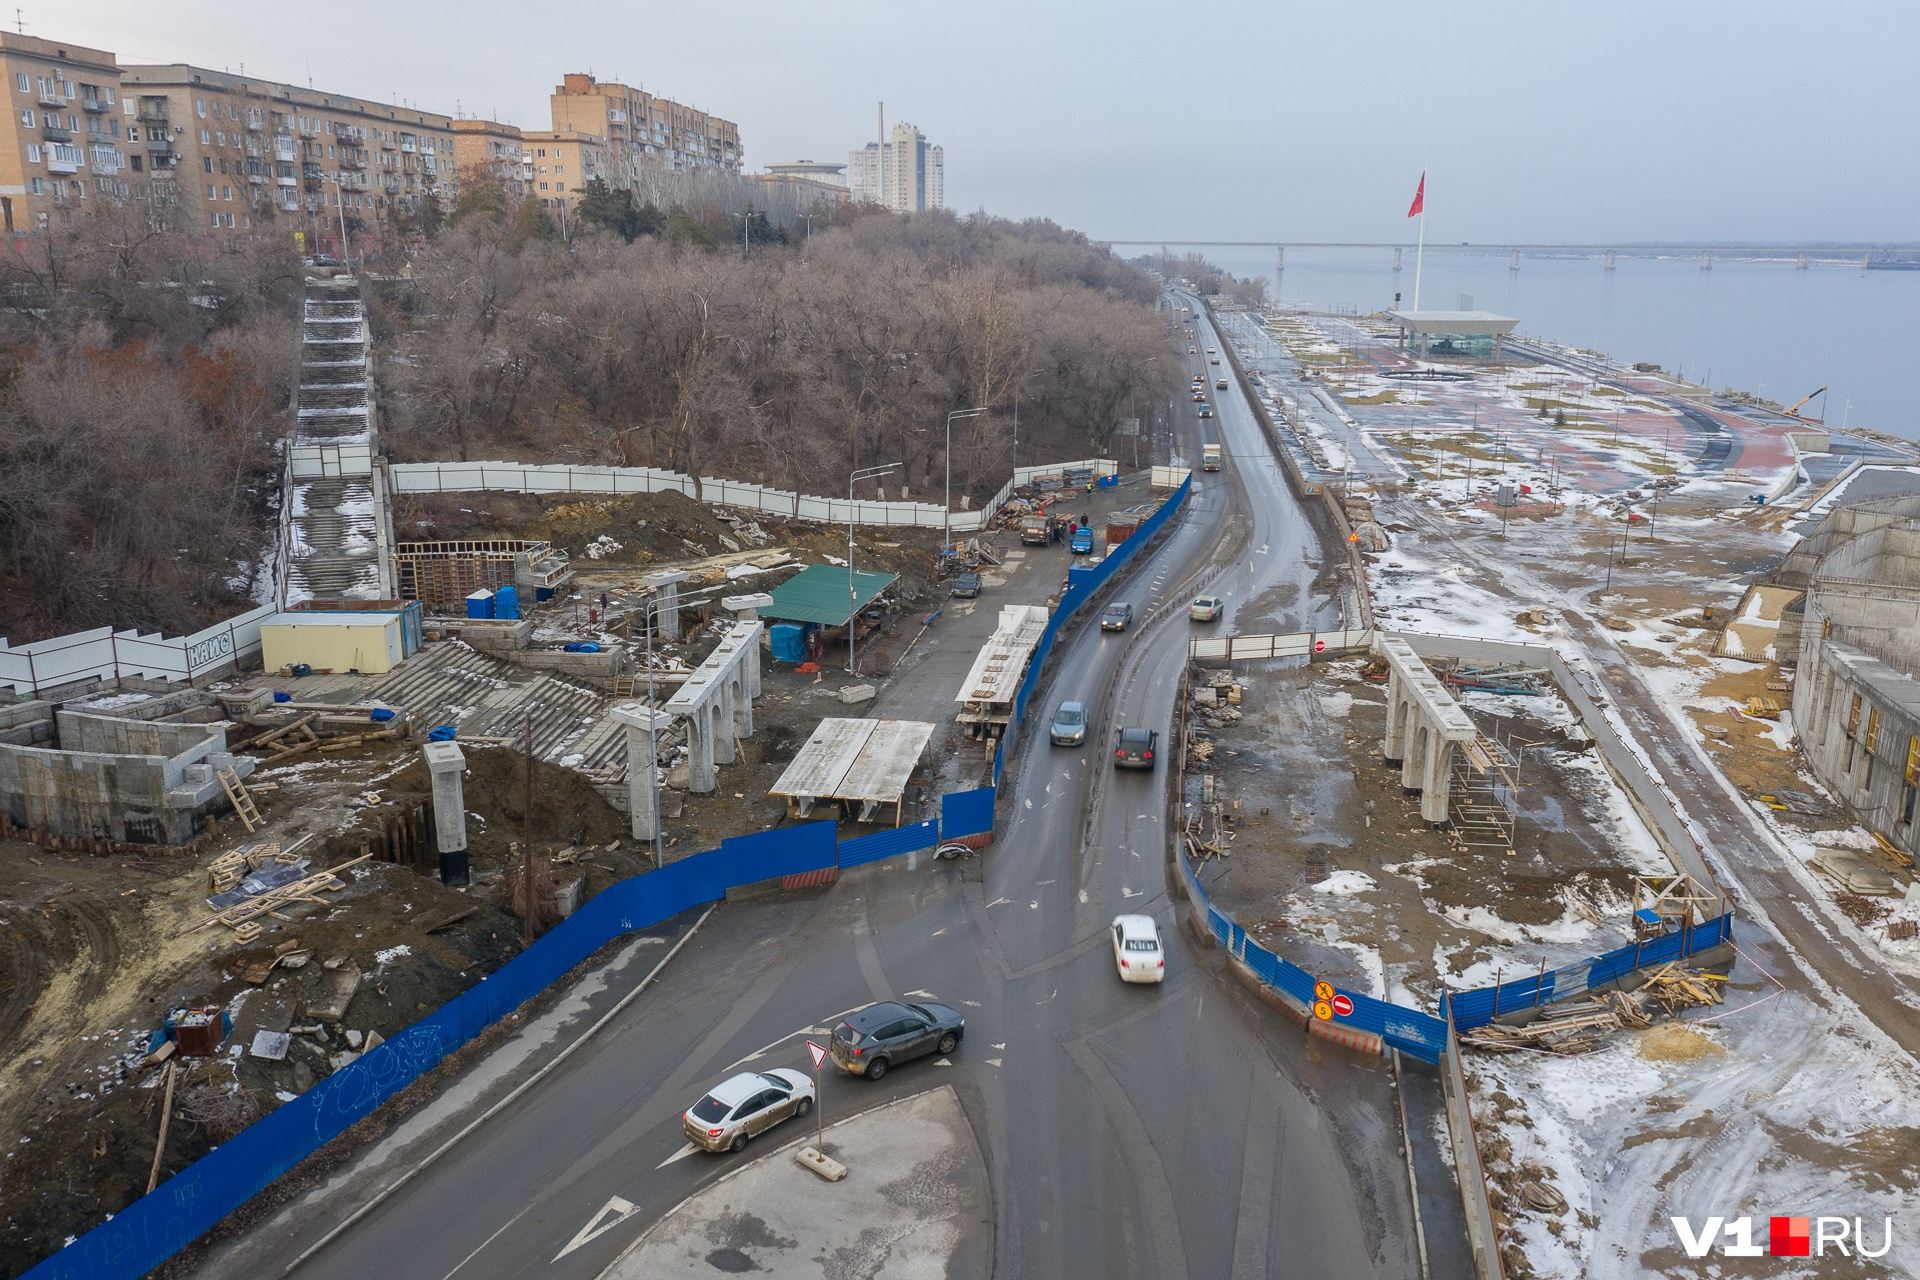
x,y
113,735
135,781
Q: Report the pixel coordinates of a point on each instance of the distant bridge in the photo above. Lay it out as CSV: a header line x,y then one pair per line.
x,y
1846,251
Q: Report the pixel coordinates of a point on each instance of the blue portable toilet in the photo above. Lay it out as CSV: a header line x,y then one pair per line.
x,y
480,604
506,604
787,642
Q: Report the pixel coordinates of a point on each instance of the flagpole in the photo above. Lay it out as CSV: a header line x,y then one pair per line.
x,y
1420,254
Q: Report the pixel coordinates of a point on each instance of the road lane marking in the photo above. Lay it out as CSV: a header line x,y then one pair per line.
x,y
822,1030
1132,893
944,1062
1046,882
686,1150
622,1210
1034,905
993,1062
937,932
1083,895
1001,1045
924,995
484,1243
998,902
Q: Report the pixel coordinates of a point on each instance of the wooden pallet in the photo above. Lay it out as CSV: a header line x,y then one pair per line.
x,y
237,795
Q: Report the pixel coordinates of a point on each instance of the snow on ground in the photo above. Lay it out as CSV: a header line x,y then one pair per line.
x,y
1767,1107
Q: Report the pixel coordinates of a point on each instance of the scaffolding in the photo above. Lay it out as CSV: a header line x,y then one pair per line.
x,y
1483,792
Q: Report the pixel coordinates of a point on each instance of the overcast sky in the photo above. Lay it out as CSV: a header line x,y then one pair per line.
x,y
1625,121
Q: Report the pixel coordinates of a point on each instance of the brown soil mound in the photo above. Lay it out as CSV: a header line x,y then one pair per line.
x,y
566,808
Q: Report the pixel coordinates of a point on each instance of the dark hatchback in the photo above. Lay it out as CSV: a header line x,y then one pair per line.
x,y
886,1034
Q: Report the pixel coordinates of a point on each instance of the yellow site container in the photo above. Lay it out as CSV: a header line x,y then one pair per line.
x,y
365,642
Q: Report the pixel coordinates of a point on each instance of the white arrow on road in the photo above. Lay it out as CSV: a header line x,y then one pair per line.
x,y
600,1223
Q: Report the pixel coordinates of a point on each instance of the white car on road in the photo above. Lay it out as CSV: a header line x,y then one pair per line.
x,y
1136,949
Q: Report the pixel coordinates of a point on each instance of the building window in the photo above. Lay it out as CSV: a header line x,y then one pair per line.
x,y
21,82
543,186
26,118
206,162
200,107
209,191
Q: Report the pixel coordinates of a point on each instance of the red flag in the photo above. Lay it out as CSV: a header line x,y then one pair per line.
x,y
1419,205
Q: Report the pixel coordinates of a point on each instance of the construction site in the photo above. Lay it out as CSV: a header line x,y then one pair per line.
x,y
235,869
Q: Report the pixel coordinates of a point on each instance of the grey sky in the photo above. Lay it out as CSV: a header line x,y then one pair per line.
x,y
1538,121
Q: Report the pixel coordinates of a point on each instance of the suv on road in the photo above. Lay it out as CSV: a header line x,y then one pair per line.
x,y
889,1033
967,585
1135,747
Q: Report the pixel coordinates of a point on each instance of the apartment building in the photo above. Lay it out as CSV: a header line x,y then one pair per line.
x,y
905,174
556,165
234,151
489,149
65,141
640,130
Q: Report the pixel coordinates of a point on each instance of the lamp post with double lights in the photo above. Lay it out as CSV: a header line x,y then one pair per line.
x,y
853,589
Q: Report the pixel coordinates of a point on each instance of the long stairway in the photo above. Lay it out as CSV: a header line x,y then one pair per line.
x,y
336,498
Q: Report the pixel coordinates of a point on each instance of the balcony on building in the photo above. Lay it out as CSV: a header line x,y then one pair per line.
x,y
53,133
153,111
50,95
95,104
62,158
306,127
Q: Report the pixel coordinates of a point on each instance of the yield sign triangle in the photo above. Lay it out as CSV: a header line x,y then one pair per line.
x,y
600,1223
819,1054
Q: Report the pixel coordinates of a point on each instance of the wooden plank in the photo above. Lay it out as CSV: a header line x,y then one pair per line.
x,y
884,764
819,767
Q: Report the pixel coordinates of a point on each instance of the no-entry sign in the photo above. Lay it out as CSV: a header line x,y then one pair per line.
x,y
1342,1006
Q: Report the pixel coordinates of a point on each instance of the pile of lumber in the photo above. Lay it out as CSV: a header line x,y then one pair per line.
x,y
1566,1030
305,889
1674,988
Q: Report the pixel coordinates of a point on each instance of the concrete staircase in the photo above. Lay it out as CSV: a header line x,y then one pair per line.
x,y
340,526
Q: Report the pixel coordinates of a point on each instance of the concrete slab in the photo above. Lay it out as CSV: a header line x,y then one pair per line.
x,y
914,1204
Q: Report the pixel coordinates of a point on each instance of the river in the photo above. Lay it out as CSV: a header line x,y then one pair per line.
x,y
1757,326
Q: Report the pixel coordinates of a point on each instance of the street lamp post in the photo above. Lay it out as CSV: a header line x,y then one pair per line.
x,y
948,525
853,591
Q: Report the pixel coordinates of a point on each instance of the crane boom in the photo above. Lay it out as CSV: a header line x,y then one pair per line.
x,y
1795,411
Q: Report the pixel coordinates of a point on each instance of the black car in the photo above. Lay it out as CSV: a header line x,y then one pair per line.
x,y
1135,748
1117,616
967,585
879,1036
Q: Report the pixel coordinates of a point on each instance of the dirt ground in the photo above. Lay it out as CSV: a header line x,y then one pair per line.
x,y
1332,866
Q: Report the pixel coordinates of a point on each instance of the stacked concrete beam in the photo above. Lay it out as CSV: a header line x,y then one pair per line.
x,y
717,702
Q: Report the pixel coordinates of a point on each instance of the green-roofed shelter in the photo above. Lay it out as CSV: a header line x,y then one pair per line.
x,y
819,593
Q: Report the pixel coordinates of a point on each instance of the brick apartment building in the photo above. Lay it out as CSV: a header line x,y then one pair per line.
x,y
66,134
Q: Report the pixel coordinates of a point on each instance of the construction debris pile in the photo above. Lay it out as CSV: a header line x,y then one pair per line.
x,y
1217,704
1572,1028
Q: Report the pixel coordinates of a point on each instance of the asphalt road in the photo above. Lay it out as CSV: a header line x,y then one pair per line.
x,y
1179,1130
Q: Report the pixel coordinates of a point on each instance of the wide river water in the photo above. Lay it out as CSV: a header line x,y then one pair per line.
x,y
1761,327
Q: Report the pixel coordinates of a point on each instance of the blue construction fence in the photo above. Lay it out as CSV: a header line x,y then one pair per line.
x,y
1479,1007
1083,583
160,1224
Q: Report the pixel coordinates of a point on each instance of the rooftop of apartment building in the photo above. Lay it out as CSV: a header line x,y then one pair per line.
x,y
17,42
174,75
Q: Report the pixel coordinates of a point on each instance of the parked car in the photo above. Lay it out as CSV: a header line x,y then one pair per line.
x,y
1117,616
1082,541
1135,748
967,585
1137,952
748,1104
884,1035
1069,727
1205,608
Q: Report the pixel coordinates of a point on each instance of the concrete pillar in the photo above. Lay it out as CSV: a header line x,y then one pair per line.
x,y
751,664
1436,779
721,709
446,763
1419,742
746,608
1394,745
666,591
700,778
742,703
643,769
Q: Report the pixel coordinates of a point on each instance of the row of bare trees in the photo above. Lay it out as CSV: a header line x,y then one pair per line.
x,y
144,378
791,366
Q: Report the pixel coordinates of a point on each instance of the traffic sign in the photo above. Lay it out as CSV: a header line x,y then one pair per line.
x,y
1322,1010
819,1054
1319,646
1323,991
1343,1006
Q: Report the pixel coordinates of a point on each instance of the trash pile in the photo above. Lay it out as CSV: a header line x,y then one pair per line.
x,y
1217,702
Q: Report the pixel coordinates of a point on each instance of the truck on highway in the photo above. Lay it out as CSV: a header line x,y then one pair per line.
x,y
1209,457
